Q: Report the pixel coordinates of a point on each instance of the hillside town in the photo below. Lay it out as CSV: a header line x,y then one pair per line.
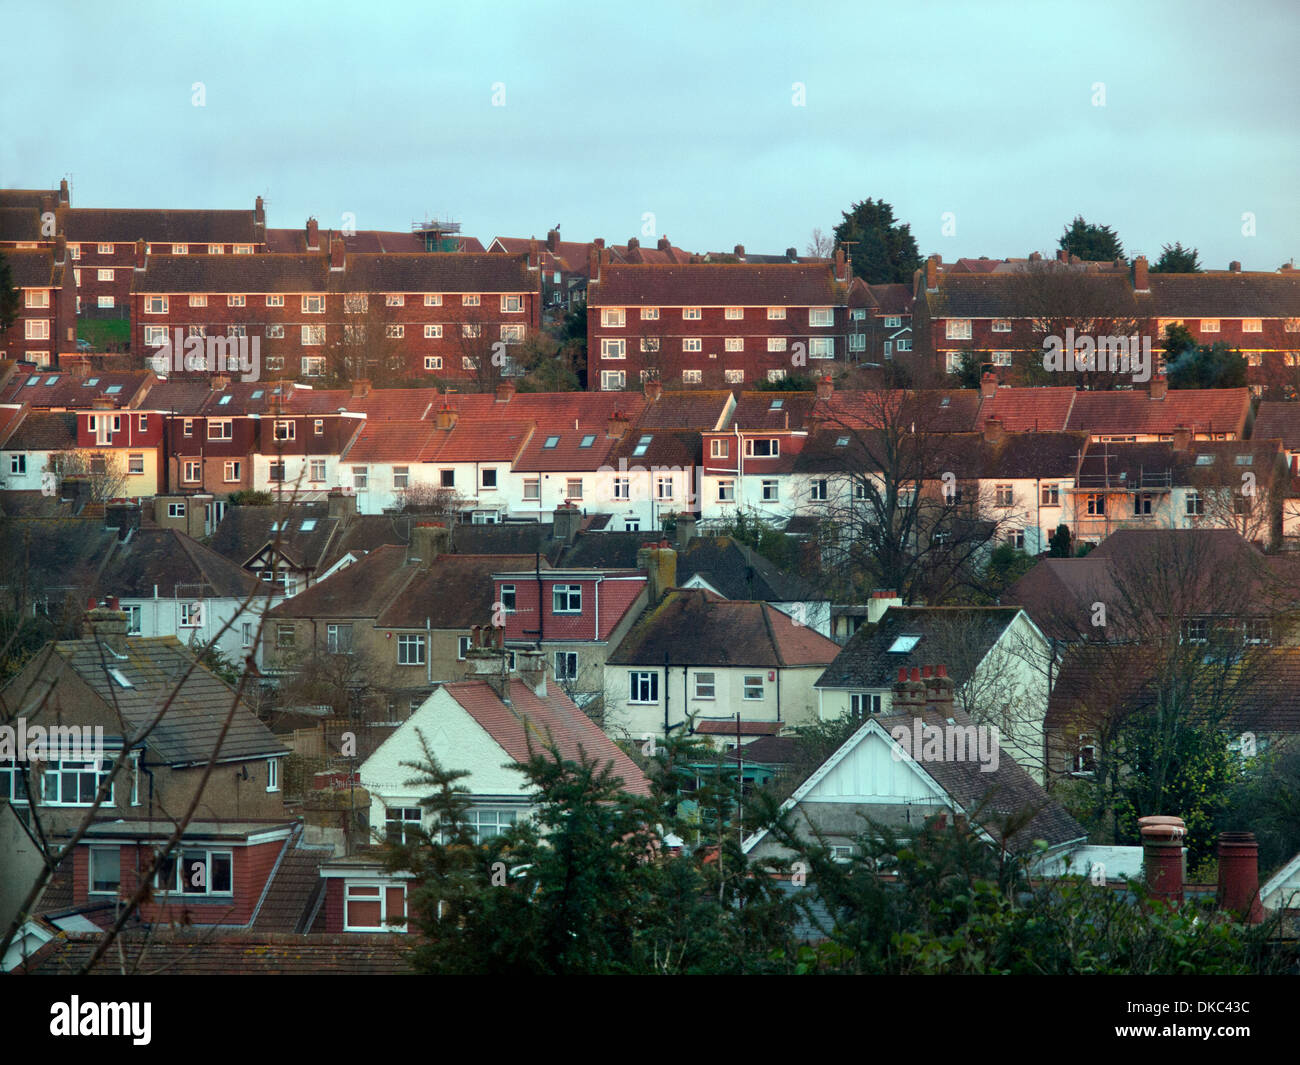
x,y
286,511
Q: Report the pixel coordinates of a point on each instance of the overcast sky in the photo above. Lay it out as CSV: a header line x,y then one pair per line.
x,y
511,117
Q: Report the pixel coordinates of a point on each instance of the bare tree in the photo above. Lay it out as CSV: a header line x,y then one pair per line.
x,y
821,244
365,342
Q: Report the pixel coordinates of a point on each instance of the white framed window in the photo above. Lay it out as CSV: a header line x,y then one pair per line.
x,y
613,380
1252,325
903,345
719,449
286,430
692,377
433,332
313,366
316,470
462,647
863,703
275,332
470,301
374,907
106,249
410,650
954,361
107,275
433,362
643,686
649,314
105,870
691,314
1195,503
394,299
734,344
622,488
468,330
771,491
394,332
104,301
489,479
175,510
734,314
216,249
821,348
957,328
360,477
74,783
1051,495
236,301
776,343
18,464
275,300
532,488
313,305
817,490
512,334
273,774
726,490
402,824
733,377
649,345
236,330
1000,325
566,599
566,665
196,331
775,314
705,685
763,448
74,250
37,329
231,472
313,335
613,317
858,342
433,299
356,303
199,301
155,305
664,487
1001,358
821,317
155,335
135,464
508,598
192,474
752,686
613,348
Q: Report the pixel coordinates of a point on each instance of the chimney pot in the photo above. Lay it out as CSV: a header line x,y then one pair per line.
x,y
338,254
313,235
553,241
1141,282
740,251
664,245
1234,266
1239,876
932,274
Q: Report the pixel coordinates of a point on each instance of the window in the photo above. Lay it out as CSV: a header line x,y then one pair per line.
x,y
858,342
643,686
734,344
613,380
705,685
275,301
566,599
313,335
691,314
394,332
753,686
664,487
433,332
1001,325
176,510
1051,495
40,297
692,344
401,477
904,345
135,464
612,317
771,491
360,477
532,488
1252,325
433,362
1002,495
433,299
402,824
819,317
821,348
18,464
275,471
370,908
105,870
134,618
338,639
622,488
649,345
763,448
1095,504
275,332
484,822
775,313
74,783
447,478
410,650
1142,504
106,249
471,331
462,647
37,329
285,430
776,343
1195,503
1258,631
283,636
313,305
692,377
1195,630
107,275
613,349
726,491
863,703
316,470
817,491
155,305
490,478
1209,325
273,774
566,665
512,304
1085,758
469,301
192,472
958,328
246,633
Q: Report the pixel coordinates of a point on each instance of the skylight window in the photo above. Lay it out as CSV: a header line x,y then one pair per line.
x,y
777,404
52,380
223,401
945,401
112,390
551,441
258,394
842,441
1245,460
642,445
119,677
903,644
308,525
588,440
34,380
90,383
1205,460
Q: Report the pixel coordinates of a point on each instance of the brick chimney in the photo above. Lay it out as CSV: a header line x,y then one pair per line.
x,y
259,214
1182,438
881,600
445,417
593,263
843,272
141,254
531,665
660,563
486,659
534,260
313,235
825,387
1239,876
994,431
908,691
565,522
553,241
505,392
103,403
1162,856
1141,283
653,389
685,530
1234,267
47,204
740,251
932,274
988,384
338,255
107,624
940,688
664,243
361,388
64,201
1159,387
341,504
1035,257
617,425
61,249
632,242
1062,256
429,540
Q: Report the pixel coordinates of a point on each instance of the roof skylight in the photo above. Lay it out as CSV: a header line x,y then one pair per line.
x,y
903,644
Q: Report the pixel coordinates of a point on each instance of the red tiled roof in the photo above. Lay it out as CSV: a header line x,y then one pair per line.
x,y
1278,421
1025,410
716,285
164,226
1222,410
530,722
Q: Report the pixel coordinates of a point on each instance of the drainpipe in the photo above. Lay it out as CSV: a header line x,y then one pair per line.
x,y
428,651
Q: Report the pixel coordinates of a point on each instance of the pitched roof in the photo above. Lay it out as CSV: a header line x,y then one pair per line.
x,y
1023,410
958,637
1276,420
530,722
154,666
75,391
738,572
164,226
33,268
199,951
303,531
167,562
716,285
684,410
1227,294
696,627
1200,409
43,431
